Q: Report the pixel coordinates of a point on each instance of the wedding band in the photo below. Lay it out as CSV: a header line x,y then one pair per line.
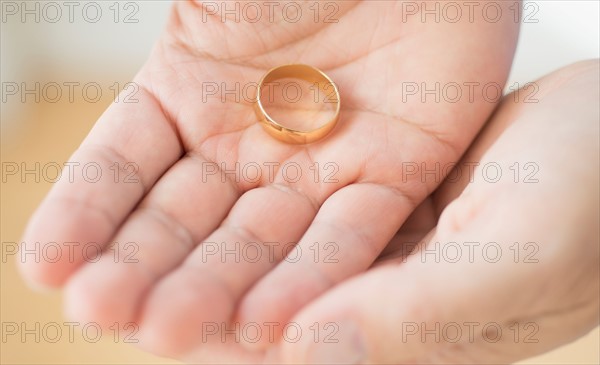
x,y
306,73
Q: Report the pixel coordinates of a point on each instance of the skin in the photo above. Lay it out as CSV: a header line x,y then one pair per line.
x,y
551,295
171,134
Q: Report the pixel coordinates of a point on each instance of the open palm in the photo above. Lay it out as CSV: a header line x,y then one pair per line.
x,y
187,195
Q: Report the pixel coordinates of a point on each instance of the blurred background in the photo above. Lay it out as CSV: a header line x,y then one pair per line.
x,y
95,54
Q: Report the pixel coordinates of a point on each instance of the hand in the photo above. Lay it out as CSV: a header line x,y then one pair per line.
x,y
534,287
172,135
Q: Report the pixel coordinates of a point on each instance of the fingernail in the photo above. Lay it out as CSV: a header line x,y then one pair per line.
x,y
337,343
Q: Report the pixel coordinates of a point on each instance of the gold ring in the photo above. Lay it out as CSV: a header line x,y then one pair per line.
x,y
306,73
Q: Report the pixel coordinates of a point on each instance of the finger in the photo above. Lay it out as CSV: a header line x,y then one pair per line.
x,y
476,306
435,309
182,209
206,287
261,227
346,236
108,175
